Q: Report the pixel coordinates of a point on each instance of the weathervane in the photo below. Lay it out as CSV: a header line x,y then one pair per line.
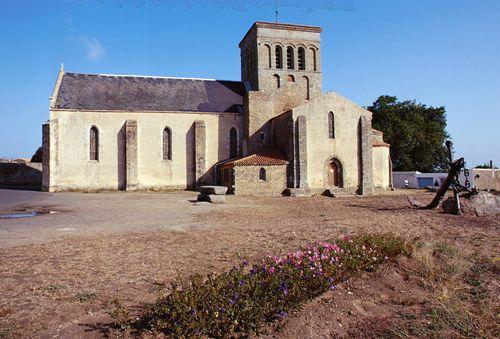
x,y
276,11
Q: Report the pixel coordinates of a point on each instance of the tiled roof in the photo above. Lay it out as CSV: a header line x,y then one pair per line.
x,y
264,158
378,143
135,93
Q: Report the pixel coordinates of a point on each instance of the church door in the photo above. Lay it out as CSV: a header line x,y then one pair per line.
x,y
334,174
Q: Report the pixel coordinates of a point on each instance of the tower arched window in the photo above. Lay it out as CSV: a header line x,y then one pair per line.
x,y
289,58
94,143
313,59
267,49
301,56
277,80
331,125
290,78
233,143
279,57
167,144
262,174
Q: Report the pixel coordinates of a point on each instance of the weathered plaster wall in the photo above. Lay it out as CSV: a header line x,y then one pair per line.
x,y
345,146
247,180
489,179
71,169
381,171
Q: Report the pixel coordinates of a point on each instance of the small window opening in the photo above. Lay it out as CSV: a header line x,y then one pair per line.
x,y
279,57
301,55
167,144
289,58
94,143
262,174
331,125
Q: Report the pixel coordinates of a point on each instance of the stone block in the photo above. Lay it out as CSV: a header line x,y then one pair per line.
x,y
297,192
217,190
214,199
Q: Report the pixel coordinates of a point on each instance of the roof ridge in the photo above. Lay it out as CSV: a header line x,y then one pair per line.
x,y
150,76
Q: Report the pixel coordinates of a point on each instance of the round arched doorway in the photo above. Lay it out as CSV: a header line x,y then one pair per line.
x,y
334,171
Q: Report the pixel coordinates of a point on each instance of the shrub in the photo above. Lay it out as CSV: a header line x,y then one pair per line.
x,y
241,299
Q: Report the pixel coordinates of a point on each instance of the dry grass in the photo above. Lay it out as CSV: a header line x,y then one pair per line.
x,y
464,287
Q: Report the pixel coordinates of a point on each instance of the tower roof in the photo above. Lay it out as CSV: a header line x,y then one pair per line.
x,y
281,26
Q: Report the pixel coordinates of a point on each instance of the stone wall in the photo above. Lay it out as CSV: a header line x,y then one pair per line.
x,y
69,167
344,147
489,179
381,167
247,180
21,174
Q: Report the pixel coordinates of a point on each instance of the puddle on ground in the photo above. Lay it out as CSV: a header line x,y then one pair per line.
x,y
18,215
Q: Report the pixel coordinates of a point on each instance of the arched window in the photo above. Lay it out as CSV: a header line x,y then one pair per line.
x,y
167,144
268,53
94,143
313,54
277,80
301,55
289,58
233,143
306,80
279,57
290,78
262,174
331,125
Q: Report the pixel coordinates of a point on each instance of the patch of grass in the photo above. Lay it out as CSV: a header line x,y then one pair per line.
x,y
464,306
86,296
241,299
53,288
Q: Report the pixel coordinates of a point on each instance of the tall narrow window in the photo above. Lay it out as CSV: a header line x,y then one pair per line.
x,y
313,59
94,143
277,80
301,55
233,143
167,144
289,58
331,125
306,80
279,57
268,55
262,174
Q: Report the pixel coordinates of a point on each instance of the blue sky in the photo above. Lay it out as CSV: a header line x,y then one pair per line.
x,y
440,53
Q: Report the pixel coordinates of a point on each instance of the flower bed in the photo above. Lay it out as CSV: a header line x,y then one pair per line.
x,y
241,299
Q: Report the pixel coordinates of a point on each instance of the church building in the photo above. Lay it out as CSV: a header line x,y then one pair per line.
x,y
273,132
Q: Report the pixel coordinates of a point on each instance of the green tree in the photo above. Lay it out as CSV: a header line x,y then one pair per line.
x,y
416,133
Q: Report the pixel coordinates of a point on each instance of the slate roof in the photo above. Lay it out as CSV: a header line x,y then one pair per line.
x,y
263,158
135,93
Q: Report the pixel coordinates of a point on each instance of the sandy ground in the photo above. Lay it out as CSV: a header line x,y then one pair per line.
x,y
84,214
125,246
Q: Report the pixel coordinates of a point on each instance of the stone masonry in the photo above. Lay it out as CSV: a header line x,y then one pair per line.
x,y
200,145
131,155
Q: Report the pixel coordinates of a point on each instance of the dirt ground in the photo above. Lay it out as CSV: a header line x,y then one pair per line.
x,y
67,286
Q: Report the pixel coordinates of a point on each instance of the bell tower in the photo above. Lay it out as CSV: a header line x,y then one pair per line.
x,y
276,57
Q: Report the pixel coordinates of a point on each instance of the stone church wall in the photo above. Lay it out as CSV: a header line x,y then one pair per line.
x,y
71,169
247,180
321,149
381,170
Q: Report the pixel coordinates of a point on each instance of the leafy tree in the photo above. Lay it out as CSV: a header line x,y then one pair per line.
x,y
486,165
416,133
